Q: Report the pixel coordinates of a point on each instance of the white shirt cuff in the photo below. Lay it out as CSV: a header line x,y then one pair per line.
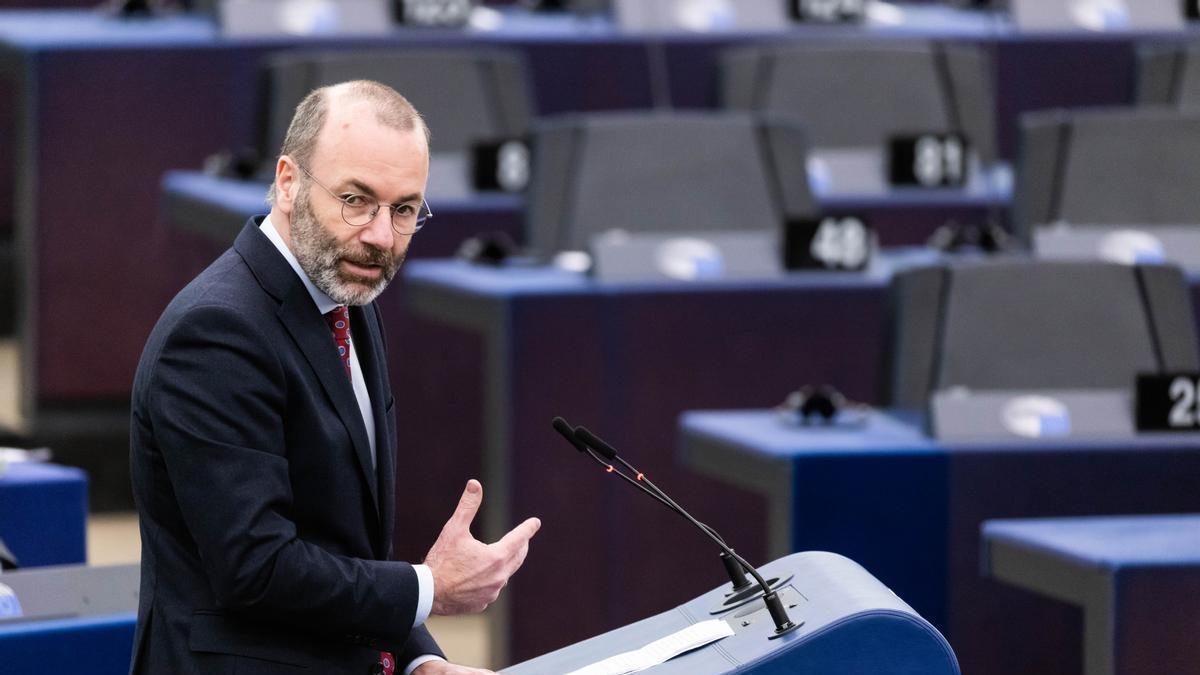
x,y
420,660
425,594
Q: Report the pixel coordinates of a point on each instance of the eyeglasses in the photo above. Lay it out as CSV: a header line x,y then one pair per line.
x,y
359,210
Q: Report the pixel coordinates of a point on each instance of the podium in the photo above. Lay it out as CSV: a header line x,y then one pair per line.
x,y
852,625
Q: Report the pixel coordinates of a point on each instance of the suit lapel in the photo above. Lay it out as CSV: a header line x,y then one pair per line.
x,y
302,320
312,335
368,345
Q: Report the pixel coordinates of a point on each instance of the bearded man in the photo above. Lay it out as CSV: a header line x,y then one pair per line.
x,y
263,429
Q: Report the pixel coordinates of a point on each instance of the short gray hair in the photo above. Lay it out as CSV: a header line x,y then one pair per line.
x,y
391,109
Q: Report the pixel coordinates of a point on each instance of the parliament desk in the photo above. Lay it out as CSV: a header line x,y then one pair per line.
x,y
43,513
909,508
68,619
483,358
1137,579
215,208
101,108
850,625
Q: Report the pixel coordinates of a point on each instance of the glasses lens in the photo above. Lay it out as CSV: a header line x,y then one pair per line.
x,y
405,221
357,211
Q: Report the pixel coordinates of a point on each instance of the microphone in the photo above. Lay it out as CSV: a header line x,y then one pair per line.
x,y
561,426
737,575
585,441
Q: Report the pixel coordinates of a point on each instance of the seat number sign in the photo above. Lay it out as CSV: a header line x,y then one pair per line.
x,y
829,11
928,160
1168,402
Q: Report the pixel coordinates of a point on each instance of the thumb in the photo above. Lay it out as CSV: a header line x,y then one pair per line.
x,y
468,506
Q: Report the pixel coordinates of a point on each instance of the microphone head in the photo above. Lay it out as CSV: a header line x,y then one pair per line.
x,y
561,426
582,435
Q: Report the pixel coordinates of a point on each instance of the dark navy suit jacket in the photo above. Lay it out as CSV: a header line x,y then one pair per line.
x,y
265,531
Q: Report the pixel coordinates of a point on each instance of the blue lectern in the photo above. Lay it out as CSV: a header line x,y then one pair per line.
x,y
852,625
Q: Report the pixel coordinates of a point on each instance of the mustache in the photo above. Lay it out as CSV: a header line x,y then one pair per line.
x,y
369,255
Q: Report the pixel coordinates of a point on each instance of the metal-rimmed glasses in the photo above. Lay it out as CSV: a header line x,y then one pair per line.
x,y
359,210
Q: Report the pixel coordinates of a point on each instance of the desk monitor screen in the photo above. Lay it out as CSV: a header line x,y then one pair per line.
x,y
264,18
1097,15
961,415
1128,245
701,16
618,255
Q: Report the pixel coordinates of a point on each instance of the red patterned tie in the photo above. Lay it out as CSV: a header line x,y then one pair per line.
x,y
339,322
338,319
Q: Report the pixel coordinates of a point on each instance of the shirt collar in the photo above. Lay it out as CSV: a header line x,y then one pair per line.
x,y
324,303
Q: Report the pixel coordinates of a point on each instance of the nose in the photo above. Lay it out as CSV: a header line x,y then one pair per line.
x,y
379,231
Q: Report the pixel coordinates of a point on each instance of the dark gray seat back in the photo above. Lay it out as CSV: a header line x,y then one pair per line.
x,y
1127,166
859,95
1028,325
465,95
663,172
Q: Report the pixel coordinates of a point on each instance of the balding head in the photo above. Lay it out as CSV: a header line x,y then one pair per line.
x,y
313,113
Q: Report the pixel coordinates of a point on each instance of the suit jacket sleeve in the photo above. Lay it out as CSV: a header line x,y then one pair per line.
x,y
216,404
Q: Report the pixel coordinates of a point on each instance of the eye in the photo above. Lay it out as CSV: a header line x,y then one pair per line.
x,y
354,200
406,210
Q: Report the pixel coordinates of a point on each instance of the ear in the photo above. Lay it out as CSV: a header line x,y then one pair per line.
x,y
286,183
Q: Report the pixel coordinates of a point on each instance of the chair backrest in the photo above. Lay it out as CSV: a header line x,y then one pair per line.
x,y
663,172
1022,324
1169,75
464,95
1125,166
859,95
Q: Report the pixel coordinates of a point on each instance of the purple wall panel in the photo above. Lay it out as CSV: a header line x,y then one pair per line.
x,y
1158,619
103,145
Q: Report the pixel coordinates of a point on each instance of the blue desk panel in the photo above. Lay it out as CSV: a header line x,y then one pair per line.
x,y
909,509
128,100
94,645
1137,579
43,513
1106,543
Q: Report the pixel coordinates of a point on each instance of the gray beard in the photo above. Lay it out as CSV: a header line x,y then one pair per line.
x,y
318,253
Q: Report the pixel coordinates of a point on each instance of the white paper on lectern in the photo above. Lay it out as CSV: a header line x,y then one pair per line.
x,y
660,651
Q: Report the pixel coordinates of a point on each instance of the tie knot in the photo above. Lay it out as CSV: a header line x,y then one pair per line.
x,y
339,322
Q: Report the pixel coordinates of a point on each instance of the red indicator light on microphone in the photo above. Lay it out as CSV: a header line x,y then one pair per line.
x,y
640,474
610,468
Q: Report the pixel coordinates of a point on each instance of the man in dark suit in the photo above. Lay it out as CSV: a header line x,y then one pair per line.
x,y
263,429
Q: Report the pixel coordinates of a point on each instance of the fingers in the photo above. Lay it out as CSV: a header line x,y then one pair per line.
x,y
515,544
520,535
468,506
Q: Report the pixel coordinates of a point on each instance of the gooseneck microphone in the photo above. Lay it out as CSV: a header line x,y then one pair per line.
x,y
590,444
733,566
593,446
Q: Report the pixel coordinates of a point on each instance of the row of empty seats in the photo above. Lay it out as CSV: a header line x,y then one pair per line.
x,y
678,171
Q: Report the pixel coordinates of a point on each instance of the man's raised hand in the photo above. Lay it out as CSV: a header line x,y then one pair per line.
x,y
468,574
